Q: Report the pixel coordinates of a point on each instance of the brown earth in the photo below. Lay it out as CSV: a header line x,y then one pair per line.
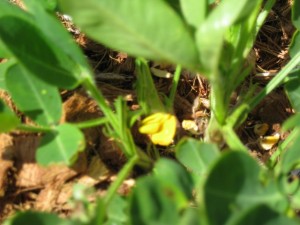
x,y
25,185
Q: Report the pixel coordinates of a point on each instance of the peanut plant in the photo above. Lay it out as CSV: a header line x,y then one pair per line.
x,y
204,185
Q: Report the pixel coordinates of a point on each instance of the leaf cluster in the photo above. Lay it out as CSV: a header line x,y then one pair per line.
x,y
202,185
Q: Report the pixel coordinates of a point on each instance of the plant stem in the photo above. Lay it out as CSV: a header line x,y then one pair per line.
x,y
218,111
122,175
36,129
91,123
232,139
272,162
264,13
116,120
99,98
81,125
275,82
174,88
217,96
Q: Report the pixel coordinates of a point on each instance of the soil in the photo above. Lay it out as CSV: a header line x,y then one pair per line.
x,y
26,185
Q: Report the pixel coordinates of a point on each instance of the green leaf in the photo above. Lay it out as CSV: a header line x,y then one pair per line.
x,y
39,218
194,11
8,120
116,211
292,88
262,214
210,35
175,181
151,205
190,217
295,44
3,68
60,145
46,4
174,4
234,186
8,9
146,91
37,99
4,53
99,213
239,40
291,157
296,14
196,155
291,122
41,58
153,31
57,33
295,194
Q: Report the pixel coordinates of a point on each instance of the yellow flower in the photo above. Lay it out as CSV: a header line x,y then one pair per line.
x,y
160,127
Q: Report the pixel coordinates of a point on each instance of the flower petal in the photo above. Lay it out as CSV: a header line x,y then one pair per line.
x,y
155,118
153,123
150,128
165,136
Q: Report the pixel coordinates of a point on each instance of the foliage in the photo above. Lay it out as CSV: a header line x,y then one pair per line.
x,y
203,185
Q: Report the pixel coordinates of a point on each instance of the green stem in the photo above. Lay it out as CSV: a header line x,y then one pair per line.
x,y
122,175
36,129
238,116
217,96
99,98
174,88
145,161
218,111
81,125
115,120
264,13
272,162
91,123
275,82
128,144
232,139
